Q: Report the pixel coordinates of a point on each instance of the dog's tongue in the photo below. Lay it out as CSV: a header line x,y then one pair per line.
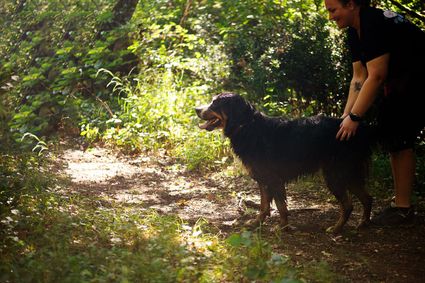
x,y
204,125
208,125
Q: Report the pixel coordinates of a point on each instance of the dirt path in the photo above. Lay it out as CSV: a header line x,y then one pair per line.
x,y
372,255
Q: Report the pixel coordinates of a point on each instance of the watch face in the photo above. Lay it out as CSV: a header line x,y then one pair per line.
x,y
355,117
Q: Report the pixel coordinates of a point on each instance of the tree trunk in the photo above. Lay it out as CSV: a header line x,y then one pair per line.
x,y
122,13
20,6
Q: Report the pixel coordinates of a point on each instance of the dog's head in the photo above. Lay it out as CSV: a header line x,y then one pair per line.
x,y
227,111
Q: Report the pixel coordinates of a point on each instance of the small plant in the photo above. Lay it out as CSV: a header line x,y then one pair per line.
x,y
255,259
203,150
41,146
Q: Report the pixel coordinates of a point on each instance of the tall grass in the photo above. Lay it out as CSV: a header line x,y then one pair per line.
x,y
155,108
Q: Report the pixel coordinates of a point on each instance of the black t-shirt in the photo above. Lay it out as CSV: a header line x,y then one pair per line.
x,y
384,32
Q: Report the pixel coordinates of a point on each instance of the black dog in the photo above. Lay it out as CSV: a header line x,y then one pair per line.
x,y
276,151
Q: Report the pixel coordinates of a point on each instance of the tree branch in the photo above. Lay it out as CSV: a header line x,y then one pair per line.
x,y
186,12
408,11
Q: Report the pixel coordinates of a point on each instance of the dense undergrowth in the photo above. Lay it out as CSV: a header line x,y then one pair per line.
x,y
128,74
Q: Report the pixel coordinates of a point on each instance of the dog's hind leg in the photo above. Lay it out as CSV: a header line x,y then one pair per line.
x,y
356,182
346,208
366,200
338,183
283,210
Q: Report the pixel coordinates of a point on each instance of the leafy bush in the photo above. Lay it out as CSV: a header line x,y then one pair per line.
x,y
155,108
49,59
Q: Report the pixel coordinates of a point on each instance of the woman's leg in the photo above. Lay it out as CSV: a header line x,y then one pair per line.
x,y
403,164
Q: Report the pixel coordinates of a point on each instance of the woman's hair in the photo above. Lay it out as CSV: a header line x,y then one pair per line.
x,y
361,3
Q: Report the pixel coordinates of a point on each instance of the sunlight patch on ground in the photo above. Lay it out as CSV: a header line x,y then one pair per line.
x,y
96,165
145,183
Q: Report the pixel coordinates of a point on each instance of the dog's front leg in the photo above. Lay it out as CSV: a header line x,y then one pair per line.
x,y
265,202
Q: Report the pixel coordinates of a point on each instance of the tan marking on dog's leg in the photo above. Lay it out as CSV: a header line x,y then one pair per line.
x,y
283,211
366,201
346,208
264,208
265,204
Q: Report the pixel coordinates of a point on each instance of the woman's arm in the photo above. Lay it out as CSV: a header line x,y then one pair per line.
x,y
377,70
377,73
359,76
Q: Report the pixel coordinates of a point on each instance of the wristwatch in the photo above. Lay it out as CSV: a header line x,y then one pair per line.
x,y
355,117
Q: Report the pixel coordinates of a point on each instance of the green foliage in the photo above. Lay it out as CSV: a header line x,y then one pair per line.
x,y
49,58
288,52
256,261
320,272
381,180
203,150
40,146
156,113
155,109
412,9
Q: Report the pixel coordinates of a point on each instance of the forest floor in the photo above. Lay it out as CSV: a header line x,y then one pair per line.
x,y
227,199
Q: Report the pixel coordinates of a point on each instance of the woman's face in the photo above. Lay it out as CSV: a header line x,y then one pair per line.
x,y
343,15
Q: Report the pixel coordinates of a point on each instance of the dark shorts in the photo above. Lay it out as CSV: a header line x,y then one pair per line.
x,y
401,115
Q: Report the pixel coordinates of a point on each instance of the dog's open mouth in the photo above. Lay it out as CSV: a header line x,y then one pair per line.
x,y
210,124
212,120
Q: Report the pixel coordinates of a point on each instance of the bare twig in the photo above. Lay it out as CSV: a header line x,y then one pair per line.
x,y
186,12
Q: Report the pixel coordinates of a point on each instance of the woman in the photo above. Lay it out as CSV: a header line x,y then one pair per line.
x,y
387,51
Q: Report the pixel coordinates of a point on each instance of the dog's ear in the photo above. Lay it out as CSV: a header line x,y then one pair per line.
x,y
239,112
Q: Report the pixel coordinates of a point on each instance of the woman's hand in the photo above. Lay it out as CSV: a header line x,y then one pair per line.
x,y
347,129
344,115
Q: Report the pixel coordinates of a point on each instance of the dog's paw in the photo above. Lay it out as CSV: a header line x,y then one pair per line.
x,y
253,223
289,228
364,224
335,230
277,228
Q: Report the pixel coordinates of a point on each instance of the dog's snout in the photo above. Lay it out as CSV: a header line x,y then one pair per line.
x,y
201,110
198,110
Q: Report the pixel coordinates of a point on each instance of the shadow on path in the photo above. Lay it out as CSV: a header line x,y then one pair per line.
x,y
147,182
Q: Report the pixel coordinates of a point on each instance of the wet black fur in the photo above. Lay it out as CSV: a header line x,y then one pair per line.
x,y
277,150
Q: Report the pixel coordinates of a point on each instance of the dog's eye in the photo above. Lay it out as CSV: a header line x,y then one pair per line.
x,y
216,104
215,101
